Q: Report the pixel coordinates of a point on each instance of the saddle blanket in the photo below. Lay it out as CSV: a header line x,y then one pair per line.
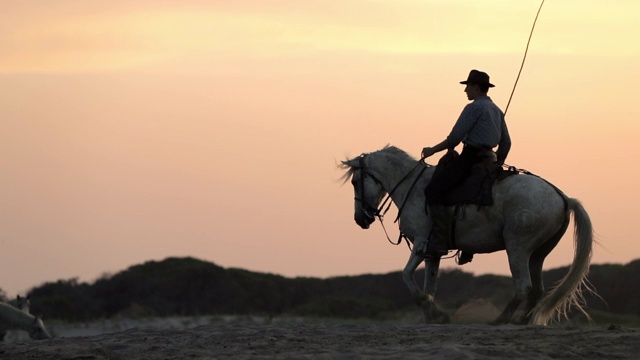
x,y
476,189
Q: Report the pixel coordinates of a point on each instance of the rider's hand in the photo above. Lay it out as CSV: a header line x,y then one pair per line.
x,y
426,152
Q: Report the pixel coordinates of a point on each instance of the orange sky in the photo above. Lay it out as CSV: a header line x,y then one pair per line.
x,y
133,132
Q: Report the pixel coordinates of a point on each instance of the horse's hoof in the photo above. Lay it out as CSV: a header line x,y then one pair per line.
x,y
434,316
444,319
497,322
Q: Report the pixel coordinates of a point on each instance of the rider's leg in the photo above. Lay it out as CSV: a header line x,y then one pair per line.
x,y
444,179
437,245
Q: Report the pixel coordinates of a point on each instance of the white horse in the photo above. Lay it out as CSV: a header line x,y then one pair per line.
x,y
15,319
528,218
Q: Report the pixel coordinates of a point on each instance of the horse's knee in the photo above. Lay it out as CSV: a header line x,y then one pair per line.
x,y
407,277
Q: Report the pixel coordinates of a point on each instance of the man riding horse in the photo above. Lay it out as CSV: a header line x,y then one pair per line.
x,y
481,127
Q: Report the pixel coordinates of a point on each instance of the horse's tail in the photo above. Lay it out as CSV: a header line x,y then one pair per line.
x,y
568,292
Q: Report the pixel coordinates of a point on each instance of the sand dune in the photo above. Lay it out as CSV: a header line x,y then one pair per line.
x,y
260,338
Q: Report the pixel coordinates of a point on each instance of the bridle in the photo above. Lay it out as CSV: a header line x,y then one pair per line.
x,y
368,209
381,210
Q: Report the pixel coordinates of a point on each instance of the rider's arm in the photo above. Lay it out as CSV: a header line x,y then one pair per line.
x,y
505,144
465,122
428,151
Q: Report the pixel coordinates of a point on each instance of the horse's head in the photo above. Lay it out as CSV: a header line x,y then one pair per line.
x,y
22,303
38,331
367,188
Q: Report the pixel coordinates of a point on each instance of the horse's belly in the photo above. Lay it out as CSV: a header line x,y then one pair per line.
x,y
478,230
479,239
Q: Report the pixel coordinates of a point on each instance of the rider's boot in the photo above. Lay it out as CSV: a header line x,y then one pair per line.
x,y
437,245
465,257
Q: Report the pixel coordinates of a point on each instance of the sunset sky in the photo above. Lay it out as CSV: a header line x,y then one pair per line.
x,y
139,130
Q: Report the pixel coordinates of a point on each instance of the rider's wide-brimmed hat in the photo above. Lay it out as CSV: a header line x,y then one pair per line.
x,y
478,77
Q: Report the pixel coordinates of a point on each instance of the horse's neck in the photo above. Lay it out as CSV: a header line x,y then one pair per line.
x,y
402,179
12,318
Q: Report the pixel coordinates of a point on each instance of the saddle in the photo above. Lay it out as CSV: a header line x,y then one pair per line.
x,y
477,188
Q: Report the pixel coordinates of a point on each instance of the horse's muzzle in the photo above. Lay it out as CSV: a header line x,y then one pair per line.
x,y
364,219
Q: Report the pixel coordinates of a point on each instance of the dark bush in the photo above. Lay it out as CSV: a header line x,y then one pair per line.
x,y
188,286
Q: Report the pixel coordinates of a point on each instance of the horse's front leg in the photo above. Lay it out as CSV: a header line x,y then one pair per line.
x,y
431,312
410,281
426,301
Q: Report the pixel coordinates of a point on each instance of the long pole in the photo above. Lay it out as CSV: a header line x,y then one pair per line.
x,y
524,58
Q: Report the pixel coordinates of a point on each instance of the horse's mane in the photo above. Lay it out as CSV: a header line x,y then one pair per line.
x,y
351,165
348,170
396,151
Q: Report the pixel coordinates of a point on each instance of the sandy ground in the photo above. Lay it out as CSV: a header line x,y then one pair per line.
x,y
296,338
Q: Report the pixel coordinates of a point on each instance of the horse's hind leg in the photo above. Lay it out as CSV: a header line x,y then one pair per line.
x,y
508,312
519,264
535,269
537,289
